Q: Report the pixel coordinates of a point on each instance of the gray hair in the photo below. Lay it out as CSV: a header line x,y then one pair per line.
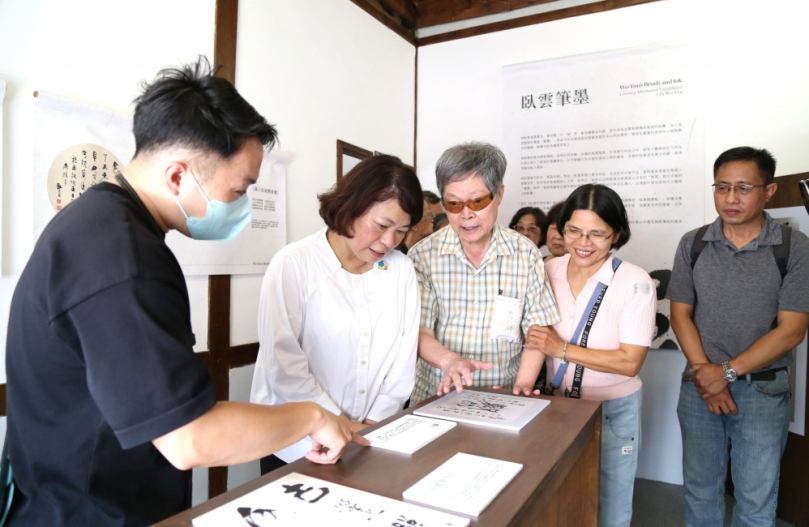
x,y
468,159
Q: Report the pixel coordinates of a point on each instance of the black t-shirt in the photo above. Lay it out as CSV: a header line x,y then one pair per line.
x,y
99,362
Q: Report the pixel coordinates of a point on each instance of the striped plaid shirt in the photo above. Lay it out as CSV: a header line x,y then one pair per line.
x,y
457,302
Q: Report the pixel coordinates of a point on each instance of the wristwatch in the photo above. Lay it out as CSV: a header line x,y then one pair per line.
x,y
730,374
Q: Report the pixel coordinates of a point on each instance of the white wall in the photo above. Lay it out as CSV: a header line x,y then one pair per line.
x,y
92,51
756,83
320,71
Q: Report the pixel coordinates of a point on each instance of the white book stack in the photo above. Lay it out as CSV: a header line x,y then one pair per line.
x,y
497,410
465,483
409,433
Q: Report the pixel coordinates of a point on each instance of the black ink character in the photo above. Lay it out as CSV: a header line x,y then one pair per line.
x,y
581,97
401,521
299,491
662,277
528,102
323,492
482,405
247,513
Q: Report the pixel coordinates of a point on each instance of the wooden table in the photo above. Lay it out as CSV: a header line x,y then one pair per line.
x,y
560,451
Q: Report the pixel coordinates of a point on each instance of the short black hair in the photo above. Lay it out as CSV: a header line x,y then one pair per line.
x,y
536,212
191,107
550,219
431,197
763,159
602,200
539,219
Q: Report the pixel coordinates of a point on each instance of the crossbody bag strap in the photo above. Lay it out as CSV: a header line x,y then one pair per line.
x,y
580,337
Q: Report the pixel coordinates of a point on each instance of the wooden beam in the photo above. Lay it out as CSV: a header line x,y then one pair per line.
x,y
224,54
218,348
434,12
598,7
224,44
243,355
405,10
380,14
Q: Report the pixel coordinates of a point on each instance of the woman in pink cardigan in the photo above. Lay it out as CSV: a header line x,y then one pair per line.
x,y
596,351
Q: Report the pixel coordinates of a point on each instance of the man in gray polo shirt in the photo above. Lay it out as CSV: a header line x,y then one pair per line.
x,y
737,321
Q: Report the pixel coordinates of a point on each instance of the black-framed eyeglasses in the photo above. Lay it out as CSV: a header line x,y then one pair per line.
x,y
595,237
743,190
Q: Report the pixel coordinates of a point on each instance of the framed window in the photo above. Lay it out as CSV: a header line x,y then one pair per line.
x,y
348,156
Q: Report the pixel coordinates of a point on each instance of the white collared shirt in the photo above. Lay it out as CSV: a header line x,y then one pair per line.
x,y
345,341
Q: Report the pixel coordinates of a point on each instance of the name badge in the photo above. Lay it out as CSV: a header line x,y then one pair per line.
x,y
506,318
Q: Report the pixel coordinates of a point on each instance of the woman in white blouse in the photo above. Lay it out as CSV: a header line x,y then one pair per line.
x,y
339,311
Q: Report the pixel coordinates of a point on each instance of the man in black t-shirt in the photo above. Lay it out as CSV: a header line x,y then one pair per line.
x,y
107,402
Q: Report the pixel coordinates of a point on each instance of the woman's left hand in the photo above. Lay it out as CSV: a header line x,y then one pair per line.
x,y
546,340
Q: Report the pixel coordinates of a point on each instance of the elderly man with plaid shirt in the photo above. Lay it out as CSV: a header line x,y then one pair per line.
x,y
482,286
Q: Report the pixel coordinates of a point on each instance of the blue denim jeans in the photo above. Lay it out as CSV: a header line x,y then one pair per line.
x,y
620,445
757,437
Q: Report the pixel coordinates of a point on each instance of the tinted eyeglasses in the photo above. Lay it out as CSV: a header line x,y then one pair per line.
x,y
455,207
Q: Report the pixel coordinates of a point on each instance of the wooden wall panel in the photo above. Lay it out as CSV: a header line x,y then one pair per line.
x,y
792,503
787,194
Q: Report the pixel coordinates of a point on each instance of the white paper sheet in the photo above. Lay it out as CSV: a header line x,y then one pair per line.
x,y
465,483
497,410
409,433
251,251
301,501
631,119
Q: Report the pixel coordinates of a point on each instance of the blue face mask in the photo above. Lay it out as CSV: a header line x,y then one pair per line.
x,y
222,221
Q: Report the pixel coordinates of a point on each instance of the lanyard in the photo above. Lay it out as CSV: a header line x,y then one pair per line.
x,y
580,337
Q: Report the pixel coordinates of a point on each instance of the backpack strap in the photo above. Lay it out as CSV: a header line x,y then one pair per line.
x,y
781,252
699,244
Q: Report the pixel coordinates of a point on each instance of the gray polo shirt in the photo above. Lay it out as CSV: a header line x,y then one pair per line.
x,y
740,290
